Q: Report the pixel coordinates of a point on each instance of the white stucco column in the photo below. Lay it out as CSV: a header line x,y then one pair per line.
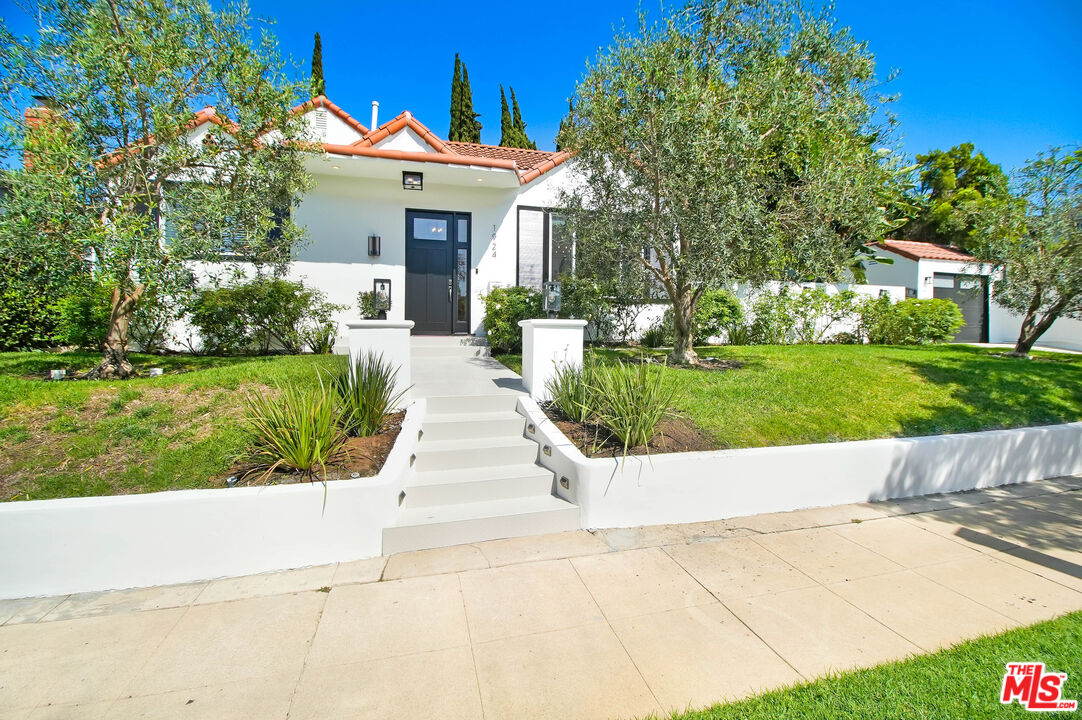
x,y
547,345
389,338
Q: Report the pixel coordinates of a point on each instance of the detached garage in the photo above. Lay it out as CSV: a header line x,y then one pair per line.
x,y
927,270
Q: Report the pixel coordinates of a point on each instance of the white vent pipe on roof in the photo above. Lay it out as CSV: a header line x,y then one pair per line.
x,y
375,114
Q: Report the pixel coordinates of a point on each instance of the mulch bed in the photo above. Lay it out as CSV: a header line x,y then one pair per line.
x,y
364,458
677,434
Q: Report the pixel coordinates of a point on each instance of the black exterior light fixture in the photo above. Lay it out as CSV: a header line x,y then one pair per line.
x,y
553,298
373,245
412,180
381,297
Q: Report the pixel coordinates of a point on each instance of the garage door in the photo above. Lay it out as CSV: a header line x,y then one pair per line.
x,y
970,293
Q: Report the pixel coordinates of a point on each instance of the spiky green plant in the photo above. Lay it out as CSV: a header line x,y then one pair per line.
x,y
573,392
633,400
299,430
366,394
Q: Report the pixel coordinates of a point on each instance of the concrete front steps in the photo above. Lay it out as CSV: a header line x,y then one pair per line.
x,y
475,477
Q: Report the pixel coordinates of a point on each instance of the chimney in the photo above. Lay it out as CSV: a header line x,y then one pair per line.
x,y
375,115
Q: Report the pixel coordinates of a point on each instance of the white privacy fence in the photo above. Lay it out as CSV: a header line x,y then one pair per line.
x,y
651,314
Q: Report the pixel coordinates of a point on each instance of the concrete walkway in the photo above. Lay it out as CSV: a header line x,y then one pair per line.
x,y
618,623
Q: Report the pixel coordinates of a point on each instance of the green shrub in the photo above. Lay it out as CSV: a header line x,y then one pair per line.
x,y
585,299
573,391
772,319
366,394
261,315
28,318
815,312
739,333
83,317
632,400
915,322
504,308
296,430
716,311
657,335
364,304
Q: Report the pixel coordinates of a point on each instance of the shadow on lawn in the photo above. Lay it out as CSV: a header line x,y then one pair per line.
x,y
989,392
992,391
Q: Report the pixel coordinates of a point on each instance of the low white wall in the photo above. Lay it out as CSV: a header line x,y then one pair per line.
x,y
54,547
700,486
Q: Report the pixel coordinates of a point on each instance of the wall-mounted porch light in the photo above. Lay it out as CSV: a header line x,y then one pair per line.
x,y
553,298
412,180
381,297
373,245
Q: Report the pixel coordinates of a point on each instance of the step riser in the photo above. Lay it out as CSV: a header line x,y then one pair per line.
x,y
473,429
472,457
465,351
468,404
477,491
460,532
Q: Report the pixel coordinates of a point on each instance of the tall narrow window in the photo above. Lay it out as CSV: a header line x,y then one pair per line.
x,y
531,247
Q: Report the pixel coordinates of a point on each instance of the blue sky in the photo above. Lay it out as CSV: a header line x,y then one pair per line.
x,y
1003,75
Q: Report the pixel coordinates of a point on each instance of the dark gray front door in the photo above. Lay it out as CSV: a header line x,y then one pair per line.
x,y
970,293
437,271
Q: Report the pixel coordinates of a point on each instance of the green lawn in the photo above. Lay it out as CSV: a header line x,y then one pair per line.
x,y
795,394
960,682
181,430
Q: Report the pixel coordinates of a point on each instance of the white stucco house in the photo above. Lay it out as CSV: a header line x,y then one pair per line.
x,y
443,222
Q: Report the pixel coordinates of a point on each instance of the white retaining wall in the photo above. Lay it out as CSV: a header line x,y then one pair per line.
x,y
701,486
54,547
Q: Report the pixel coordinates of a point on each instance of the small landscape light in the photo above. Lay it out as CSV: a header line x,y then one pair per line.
x,y
381,297
57,374
553,298
231,481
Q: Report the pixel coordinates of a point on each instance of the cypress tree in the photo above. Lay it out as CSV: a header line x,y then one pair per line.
x,y
318,86
565,124
507,127
471,126
521,139
454,133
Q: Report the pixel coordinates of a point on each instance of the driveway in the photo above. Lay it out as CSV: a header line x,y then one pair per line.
x,y
616,623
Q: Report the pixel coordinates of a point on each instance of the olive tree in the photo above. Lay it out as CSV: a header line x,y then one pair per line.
x,y
732,140
1037,240
113,151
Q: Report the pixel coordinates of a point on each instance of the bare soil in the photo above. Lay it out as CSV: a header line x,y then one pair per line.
x,y
677,434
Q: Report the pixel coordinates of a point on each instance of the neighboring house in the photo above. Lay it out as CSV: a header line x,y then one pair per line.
x,y
928,270
444,222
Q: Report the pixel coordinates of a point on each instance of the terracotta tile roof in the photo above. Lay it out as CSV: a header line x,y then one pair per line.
x,y
915,250
527,164
524,159
322,102
404,120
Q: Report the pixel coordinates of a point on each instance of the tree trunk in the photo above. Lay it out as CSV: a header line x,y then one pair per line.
x,y
114,360
1032,328
683,348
